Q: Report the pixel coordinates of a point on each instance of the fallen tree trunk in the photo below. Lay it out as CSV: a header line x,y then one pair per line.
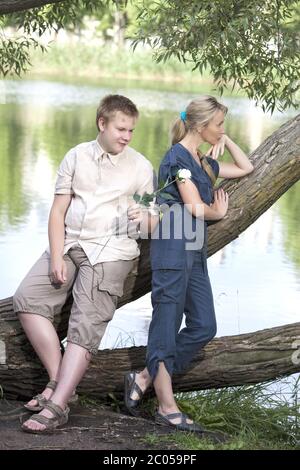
x,y
228,361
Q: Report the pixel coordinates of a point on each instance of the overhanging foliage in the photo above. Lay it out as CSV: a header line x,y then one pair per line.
x,y
244,44
253,46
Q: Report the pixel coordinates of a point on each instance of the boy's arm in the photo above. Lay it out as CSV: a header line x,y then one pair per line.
x,y
145,218
56,232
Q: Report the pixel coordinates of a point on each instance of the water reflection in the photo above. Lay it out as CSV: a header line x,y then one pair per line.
x,y
41,120
289,209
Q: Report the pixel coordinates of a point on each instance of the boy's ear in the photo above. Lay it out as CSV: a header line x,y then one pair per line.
x,y
101,124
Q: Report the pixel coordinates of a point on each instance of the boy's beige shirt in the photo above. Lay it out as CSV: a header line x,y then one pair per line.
x,y
102,186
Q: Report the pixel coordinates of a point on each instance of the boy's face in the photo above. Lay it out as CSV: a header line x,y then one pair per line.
x,y
117,132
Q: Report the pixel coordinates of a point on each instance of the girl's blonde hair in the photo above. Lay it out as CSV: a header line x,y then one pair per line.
x,y
198,113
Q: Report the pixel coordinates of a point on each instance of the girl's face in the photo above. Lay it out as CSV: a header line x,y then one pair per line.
x,y
214,130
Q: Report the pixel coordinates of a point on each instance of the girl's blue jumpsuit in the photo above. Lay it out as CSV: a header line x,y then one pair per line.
x,y
180,282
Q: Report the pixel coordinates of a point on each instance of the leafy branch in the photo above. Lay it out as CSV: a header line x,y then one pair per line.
x,y
245,45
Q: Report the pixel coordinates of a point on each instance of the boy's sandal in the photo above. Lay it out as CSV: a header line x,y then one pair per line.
x,y
131,386
183,425
41,400
52,384
59,418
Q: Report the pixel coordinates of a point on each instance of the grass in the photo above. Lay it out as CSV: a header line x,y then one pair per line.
x,y
108,61
111,401
251,416
83,61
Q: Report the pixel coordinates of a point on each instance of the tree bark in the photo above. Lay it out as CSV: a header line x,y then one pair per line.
x,y
277,168
249,358
227,361
11,6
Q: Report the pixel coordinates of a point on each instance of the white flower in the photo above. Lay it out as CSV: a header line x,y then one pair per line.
x,y
183,175
146,199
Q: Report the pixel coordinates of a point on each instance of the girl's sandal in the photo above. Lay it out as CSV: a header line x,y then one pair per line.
x,y
131,386
183,425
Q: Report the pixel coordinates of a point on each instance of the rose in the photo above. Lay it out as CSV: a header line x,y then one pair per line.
x,y
181,175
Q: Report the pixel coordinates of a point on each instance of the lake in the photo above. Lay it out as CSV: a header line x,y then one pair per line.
x,y
255,279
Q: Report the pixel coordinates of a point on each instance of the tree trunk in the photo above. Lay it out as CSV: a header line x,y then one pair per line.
x,y
277,168
227,361
11,6
119,29
249,358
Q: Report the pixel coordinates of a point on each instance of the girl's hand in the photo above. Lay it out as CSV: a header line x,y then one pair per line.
x,y
58,271
217,150
220,205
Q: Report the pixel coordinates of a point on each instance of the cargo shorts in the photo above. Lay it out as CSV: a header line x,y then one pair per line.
x,y
95,289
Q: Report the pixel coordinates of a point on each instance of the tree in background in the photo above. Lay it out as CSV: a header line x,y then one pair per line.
x,y
244,44
32,24
253,46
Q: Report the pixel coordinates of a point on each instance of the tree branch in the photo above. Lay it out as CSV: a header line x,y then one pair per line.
x,y
11,6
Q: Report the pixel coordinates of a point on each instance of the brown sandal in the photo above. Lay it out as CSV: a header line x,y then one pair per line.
x,y
59,418
41,400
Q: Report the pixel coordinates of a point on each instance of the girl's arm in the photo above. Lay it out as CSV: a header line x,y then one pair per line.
x,y
191,198
241,165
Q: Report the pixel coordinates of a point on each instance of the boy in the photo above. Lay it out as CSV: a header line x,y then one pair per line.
x,y
87,256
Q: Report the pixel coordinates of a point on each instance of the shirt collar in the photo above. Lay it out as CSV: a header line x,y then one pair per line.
x,y
100,153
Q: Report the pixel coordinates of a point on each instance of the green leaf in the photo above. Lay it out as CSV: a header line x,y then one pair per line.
x,y
144,203
148,197
167,196
137,197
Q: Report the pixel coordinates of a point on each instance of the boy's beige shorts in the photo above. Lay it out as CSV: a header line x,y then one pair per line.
x,y
95,291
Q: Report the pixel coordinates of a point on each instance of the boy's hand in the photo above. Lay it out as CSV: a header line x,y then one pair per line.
x,y
135,213
58,271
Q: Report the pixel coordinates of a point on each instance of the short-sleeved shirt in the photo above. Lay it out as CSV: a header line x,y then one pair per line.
x,y
177,158
102,188
168,252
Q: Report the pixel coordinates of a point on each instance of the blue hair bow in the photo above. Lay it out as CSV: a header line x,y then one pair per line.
x,y
183,115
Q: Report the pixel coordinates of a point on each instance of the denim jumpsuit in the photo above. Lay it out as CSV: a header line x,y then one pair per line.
x,y
180,282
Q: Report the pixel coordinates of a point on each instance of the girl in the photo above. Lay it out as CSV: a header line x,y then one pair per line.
x,y
180,282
